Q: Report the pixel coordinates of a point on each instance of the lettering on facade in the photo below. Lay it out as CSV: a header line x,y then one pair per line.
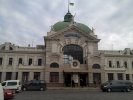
x,y
72,34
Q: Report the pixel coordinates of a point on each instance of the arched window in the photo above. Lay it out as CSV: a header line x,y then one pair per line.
x,y
3,48
96,66
54,65
10,48
75,51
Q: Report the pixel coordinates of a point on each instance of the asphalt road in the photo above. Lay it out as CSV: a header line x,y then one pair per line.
x,y
73,95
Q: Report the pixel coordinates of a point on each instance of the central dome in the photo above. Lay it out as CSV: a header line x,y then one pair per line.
x,y
68,19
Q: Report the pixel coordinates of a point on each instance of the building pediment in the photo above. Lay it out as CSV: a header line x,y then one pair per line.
x,y
73,32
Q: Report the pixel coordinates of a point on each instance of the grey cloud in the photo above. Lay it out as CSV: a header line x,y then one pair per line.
x,y
27,21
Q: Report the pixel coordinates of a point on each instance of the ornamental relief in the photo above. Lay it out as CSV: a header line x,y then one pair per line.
x,y
54,58
72,41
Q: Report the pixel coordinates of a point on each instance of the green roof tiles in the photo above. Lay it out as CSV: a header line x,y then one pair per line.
x,y
61,25
69,19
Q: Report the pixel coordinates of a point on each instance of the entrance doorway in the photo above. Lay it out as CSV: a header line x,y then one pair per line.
x,y
96,79
67,79
83,79
79,79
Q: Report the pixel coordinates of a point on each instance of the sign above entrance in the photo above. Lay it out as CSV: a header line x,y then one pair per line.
x,y
72,34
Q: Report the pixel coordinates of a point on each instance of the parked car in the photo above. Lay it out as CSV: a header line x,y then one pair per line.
x,y
12,85
116,85
1,93
8,94
34,85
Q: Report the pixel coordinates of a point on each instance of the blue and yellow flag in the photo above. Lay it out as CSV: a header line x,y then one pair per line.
x,y
71,4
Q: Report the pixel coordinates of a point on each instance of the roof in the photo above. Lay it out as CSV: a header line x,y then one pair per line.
x,y
68,20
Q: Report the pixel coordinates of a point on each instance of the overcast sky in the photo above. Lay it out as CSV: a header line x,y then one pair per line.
x,y
24,22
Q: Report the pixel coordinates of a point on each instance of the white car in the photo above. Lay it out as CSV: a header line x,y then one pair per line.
x,y
12,85
1,93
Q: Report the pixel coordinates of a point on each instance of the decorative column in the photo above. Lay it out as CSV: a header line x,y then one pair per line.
x,y
124,76
20,76
131,77
3,76
31,75
42,75
90,75
115,76
13,75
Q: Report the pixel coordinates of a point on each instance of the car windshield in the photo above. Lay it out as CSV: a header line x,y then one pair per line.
x,y
106,83
11,83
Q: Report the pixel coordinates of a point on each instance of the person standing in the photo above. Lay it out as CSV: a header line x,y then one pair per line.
x,y
73,83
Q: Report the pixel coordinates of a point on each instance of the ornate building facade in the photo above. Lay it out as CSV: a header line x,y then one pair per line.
x,y
70,53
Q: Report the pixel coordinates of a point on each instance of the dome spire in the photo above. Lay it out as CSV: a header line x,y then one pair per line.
x,y
68,17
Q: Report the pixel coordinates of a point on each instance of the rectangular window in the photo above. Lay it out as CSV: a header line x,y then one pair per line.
x,y
0,76
125,64
1,61
20,61
37,75
127,76
16,76
120,76
118,64
54,77
30,61
10,61
8,75
110,76
110,64
39,62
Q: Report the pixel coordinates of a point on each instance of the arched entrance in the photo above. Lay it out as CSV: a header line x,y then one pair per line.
x,y
71,78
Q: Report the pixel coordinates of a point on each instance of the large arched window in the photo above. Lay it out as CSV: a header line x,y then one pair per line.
x,y
96,66
54,65
74,51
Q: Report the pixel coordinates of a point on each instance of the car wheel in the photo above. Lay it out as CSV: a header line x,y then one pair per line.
x,y
24,89
128,89
41,89
108,90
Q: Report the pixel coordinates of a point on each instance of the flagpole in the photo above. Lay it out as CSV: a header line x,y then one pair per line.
x,y
68,5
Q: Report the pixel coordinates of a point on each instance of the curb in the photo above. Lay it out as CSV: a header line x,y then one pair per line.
x,y
74,88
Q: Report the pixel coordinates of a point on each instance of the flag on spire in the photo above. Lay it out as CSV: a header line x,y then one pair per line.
x,y
71,4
